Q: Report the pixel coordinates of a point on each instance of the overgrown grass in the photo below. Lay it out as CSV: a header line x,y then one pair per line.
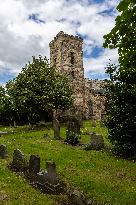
x,y
102,177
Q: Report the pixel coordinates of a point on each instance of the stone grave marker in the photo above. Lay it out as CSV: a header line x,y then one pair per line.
x,y
19,163
77,198
73,131
56,128
51,173
34,164
42,177
97,142
3,151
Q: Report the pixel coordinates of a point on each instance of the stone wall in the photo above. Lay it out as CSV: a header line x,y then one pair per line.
x,y
66,54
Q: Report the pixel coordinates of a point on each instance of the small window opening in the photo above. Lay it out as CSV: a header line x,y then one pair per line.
x,y
55,60
72,74
72,58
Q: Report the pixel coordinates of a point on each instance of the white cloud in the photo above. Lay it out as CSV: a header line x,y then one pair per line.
x,y
20,37
99,64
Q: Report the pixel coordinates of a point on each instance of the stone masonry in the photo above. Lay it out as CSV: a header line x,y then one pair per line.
x,y
66,54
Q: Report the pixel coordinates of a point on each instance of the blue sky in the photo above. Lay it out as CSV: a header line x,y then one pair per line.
x,y
27,27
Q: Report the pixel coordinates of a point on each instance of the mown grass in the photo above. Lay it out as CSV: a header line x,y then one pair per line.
x,y
101,176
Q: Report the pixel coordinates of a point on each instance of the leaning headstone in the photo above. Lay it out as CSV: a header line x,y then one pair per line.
x,y
34,164
56,128
42,177
3,151
51,173
19,163
97,142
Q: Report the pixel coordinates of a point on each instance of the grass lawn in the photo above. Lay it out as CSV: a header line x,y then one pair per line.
x,y
102,177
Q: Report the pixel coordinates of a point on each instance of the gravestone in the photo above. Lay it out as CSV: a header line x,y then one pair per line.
x,y
19,163
51,173
34,164
3,151
77,198
73,131
42,177
97,142
56,128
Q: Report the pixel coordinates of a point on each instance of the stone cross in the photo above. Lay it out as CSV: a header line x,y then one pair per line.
x,y
51,172
34,164
3,151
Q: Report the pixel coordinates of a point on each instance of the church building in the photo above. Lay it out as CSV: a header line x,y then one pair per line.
x,y
66,53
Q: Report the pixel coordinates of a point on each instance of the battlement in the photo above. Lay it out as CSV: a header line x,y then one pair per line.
x,y
61,35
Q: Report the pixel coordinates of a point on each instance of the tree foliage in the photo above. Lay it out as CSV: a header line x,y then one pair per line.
x,y
39,89
121,89
6,110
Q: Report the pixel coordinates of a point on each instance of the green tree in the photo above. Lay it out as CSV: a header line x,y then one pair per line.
x,y
5,106
121,89
39,89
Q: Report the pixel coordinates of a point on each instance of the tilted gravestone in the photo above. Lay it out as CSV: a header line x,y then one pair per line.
x,y
97,142
51,173
19,163
3,151
56,128
34,164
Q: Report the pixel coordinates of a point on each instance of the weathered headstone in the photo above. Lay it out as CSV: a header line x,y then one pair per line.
x,y
3,151
56,128
51,172
97,142
42,177
77,198
73,131
19,163
34,164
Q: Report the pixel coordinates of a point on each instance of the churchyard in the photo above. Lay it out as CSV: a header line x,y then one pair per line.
x,y
83,172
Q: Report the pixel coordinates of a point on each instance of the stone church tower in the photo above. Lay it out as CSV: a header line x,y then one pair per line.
x,y
66,53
